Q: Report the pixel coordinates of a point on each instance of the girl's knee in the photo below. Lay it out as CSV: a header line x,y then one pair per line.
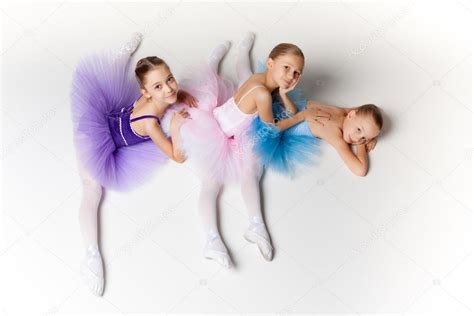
x,y
210,185
91,187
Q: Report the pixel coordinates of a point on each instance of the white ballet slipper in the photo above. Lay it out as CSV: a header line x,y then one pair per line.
x,y
92,272
257,234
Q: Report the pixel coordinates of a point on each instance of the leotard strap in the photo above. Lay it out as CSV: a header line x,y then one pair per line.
x,y
145,117
247,93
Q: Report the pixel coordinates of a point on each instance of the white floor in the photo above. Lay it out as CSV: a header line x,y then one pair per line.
x,y
398,240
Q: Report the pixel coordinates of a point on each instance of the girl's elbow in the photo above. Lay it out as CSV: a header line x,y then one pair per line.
x,y
358,170
361,172
179,158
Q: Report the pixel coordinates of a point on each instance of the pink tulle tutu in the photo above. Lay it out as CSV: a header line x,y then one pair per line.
x,y
216,155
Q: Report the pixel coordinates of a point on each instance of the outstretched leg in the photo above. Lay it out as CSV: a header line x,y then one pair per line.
x,y
244,70
131,46
217,54
92,270
256,232
214,248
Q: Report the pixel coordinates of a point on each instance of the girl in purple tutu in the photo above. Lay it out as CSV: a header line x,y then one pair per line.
x,y
118,133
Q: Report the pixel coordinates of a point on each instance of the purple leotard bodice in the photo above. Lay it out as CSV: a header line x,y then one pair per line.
x,y
120,125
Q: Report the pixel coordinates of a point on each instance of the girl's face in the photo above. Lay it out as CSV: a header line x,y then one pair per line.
x,y
359,129
160,85
286,70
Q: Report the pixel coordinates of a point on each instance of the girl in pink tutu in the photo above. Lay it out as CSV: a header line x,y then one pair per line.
x,y
217,138
118,134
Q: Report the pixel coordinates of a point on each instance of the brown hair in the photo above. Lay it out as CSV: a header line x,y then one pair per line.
x,y
285,49
373,111
145,65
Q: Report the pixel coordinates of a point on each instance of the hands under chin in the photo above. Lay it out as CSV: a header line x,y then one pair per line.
x,y
371,144
284,91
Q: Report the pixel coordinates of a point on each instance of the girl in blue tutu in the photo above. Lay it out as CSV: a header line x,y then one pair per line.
x,y
118,133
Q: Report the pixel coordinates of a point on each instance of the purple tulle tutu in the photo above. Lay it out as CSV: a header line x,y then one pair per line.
x,y
103,84
216,155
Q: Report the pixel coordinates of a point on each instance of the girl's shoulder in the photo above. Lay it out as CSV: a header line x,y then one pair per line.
x,y
253,89
259,93
146,114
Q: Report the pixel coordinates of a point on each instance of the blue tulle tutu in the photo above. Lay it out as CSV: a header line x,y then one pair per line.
x,y
288,151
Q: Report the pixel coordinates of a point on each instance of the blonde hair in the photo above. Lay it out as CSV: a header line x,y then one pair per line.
x,y
286,49
373,111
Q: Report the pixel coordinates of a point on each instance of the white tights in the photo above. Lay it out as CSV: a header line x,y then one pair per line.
x,y
250,182
92,268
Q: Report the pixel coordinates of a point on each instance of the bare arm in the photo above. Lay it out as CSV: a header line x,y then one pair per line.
x,y
289,122
358,163
264,108
170,148
288,103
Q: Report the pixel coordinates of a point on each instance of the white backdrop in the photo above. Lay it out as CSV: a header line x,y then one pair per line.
x,y
398,240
